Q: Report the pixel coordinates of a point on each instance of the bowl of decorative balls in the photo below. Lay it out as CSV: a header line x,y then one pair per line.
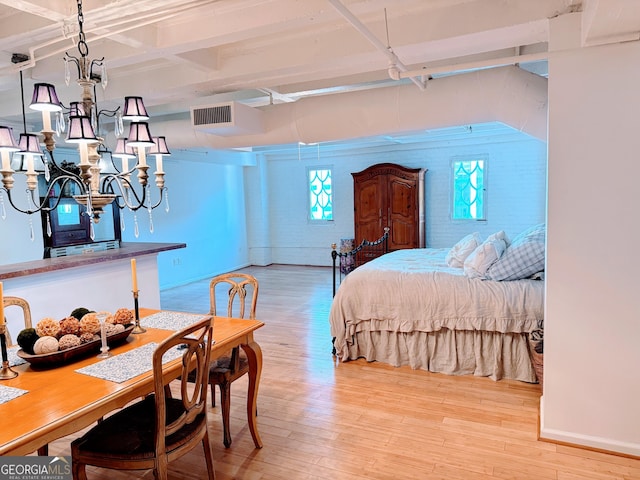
x,y
53,342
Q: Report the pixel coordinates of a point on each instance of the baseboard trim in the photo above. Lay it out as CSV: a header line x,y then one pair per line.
x,y
598,444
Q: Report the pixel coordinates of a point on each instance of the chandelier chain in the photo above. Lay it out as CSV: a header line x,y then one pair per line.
x,y
83,48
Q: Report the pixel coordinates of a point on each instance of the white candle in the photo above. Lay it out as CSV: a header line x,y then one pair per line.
x,y
103,336
134,275
159,164
1,306
46,121
142,155
30,166
125,164
6,160
84,153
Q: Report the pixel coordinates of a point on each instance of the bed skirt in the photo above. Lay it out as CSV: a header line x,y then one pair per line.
x,y
453,352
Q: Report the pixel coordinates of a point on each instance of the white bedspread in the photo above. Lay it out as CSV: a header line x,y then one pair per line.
x,y
415,290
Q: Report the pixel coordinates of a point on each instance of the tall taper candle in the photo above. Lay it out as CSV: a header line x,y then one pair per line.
x,y
103,336
1,306
134,276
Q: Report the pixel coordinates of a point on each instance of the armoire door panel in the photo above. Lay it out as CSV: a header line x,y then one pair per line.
x,y
402,199
402,235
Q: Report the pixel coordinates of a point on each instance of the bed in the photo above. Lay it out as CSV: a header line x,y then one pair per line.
x,y
411,307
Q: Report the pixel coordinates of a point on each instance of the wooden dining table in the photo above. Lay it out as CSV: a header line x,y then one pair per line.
x,y
61,401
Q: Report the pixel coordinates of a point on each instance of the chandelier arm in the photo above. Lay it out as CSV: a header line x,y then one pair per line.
x,y
109,113
160,199
115,167
28,212
70,58
42,206
63,180
125,185
120,206
68,173
98,62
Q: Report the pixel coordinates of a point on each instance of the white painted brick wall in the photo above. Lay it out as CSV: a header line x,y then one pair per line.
x,y
516,194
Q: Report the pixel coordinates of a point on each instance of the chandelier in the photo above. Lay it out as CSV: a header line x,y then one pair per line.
x,y
93,186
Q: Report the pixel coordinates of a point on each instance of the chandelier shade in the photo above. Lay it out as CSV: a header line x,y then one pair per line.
x,y
134,109
29,145
76,109
80,130
139,135
159,146
7,140
123,150
45,98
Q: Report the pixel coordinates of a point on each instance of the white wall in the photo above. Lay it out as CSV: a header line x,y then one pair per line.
x,y
207,212
592,319
258,206
15,233
516,194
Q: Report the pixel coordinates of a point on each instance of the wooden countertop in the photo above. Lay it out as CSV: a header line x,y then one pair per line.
x,y
126,250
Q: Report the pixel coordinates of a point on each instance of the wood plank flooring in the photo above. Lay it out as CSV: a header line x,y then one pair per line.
x,y
322,419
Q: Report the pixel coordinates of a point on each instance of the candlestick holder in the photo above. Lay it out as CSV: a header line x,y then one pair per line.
x,y
104,348
137,328
5,371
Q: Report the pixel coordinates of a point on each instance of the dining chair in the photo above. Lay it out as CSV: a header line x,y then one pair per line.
x,y
26,313
157,429
9,301
228,368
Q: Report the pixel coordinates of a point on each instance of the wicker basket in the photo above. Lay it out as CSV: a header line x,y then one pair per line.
x,y
538,362
537,359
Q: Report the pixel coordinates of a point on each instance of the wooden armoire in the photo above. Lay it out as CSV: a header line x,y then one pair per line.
x,y
390,195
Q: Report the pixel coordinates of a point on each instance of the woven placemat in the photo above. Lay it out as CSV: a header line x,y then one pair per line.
x,y
171,320
9,393
128,365
12,356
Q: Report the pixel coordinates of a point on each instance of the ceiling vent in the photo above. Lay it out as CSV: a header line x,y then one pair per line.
x,y
226,119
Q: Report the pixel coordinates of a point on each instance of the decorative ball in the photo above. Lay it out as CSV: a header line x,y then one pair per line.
x,y
48,327
90,323
27,338
68,341
109,329
118,328
80,312
69,325
46,344
123,316
87,337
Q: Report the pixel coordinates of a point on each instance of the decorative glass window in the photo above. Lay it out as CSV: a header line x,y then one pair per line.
x,y
320,194
468,189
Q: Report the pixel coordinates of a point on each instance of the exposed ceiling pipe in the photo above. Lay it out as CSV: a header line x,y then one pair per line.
x,y
395,64
154,17
479,64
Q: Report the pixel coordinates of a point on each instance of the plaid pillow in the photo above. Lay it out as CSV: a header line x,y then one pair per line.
x,y
523,258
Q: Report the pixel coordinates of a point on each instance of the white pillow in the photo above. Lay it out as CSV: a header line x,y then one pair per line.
x,y
461,250
485,255
502,235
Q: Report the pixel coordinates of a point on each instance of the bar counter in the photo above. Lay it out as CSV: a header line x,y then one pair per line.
x,y
126,250
53,287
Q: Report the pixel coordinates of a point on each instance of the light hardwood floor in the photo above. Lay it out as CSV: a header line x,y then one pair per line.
x,y
322,419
